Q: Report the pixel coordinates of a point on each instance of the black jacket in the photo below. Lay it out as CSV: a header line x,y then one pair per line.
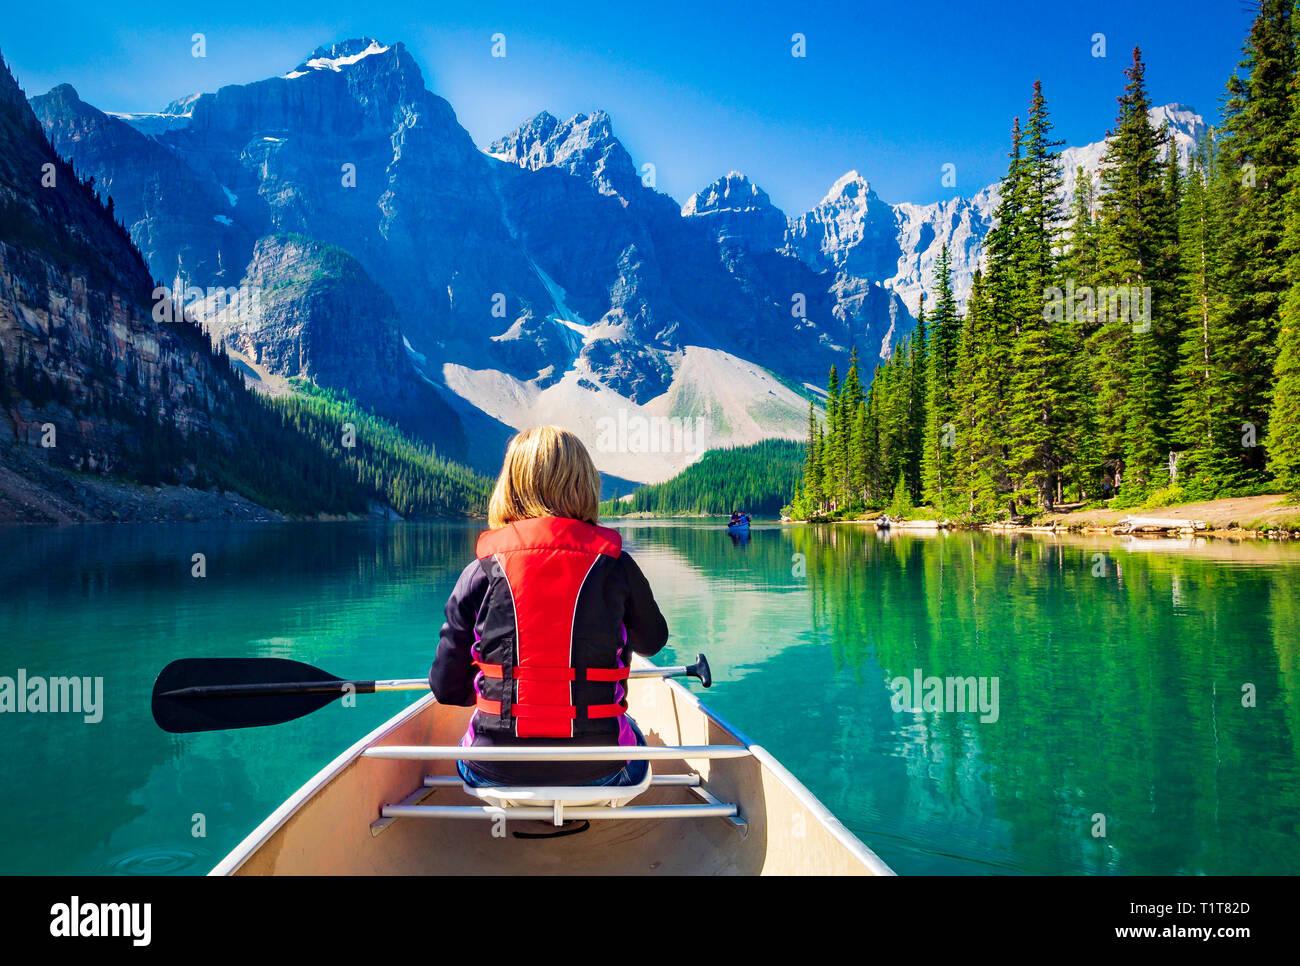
x,y
568,593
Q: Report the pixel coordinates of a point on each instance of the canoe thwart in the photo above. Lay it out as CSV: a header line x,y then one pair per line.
x,y
530,814
454,781
554,753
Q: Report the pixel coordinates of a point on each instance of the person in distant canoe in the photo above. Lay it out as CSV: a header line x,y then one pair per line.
x,y
541,626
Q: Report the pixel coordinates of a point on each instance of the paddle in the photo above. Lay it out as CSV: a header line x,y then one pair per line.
x,y
221,693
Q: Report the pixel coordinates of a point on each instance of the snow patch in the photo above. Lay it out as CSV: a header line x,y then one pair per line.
x,y
151,125
418,357
336,63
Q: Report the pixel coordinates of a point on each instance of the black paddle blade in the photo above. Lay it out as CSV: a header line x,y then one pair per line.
x,y
211,693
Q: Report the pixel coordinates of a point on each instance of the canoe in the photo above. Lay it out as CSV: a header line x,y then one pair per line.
x,y
738,528
720,805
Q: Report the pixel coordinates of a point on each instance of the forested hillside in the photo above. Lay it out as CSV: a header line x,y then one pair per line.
x,y
408,476
1141,341
757,479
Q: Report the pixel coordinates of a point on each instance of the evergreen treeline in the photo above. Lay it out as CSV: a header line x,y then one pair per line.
x,y
408,476
1138,340
329,455
756,479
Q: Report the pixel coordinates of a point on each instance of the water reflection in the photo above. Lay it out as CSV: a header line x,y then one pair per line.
x,y
1127,671
1153,683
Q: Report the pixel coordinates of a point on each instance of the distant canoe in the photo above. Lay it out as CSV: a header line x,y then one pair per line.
x,y
393,805
738,528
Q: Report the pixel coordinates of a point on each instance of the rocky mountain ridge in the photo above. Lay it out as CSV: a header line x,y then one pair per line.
x,y
542,274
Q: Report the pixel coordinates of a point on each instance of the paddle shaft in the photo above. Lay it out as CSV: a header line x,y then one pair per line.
x,y
358,687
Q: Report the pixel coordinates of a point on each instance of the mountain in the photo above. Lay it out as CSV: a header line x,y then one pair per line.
x,y
540,275
327,152
113,402
92,386
897,245
308,309
542,278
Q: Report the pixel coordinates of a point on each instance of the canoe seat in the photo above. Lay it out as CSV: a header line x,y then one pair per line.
x,y
558,797
560,806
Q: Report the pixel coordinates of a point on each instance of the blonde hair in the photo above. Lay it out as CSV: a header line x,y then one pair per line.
x,y
547,473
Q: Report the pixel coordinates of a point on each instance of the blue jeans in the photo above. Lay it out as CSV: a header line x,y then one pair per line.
x,y
629,774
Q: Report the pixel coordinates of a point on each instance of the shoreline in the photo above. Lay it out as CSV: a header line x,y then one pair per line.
x,y
1266,517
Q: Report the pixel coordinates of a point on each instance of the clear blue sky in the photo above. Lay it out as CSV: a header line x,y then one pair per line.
x,y
895,90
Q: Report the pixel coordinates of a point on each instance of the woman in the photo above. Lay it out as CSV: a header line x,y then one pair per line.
x,y
540,627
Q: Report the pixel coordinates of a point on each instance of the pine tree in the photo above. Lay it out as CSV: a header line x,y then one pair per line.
x,y
941,358
1284,426
1080,272
901,505
1040,404
1131,342
812,476
1206,424
872,468
917,372
851,397
1283,430
1260,151
828,446
979,474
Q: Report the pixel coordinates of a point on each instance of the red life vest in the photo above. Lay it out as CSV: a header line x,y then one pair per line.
x,y
550,652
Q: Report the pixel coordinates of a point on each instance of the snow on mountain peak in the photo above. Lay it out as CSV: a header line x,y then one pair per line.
x,y
337,56
850,186
174,117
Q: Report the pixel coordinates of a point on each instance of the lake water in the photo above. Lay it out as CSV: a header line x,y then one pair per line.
x,y
1153,686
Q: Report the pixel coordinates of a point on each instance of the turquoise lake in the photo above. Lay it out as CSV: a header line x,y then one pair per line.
x,y
1153,686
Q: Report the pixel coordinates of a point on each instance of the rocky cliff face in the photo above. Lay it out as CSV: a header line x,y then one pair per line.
x,y
349,149
308,309
737,211
145,181
77,328
113,403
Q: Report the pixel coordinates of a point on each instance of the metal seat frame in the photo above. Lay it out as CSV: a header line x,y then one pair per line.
x,y
558,803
